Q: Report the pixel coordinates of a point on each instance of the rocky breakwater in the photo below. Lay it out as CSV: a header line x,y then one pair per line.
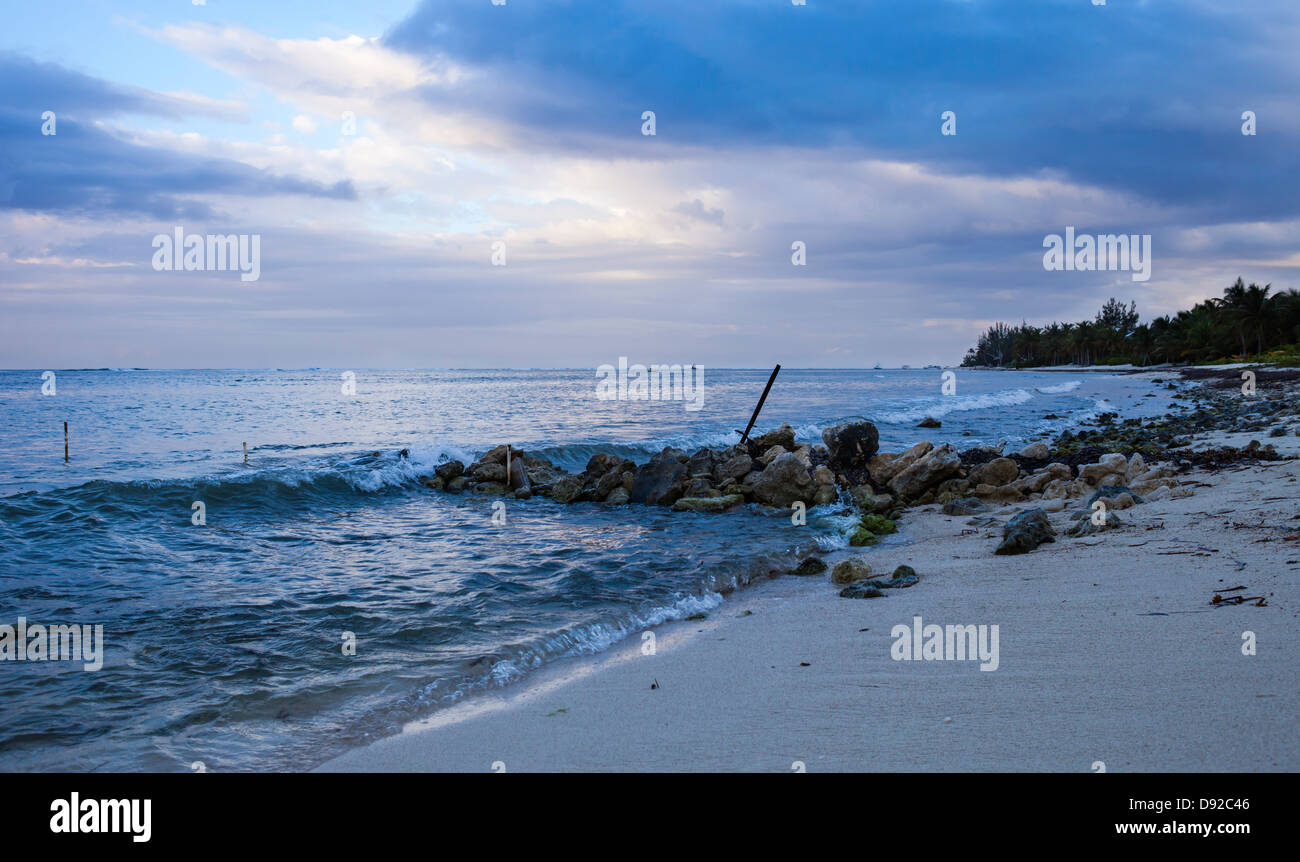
x,y
771,470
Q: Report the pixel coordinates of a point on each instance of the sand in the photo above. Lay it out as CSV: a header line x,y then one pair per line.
x,y
1109,651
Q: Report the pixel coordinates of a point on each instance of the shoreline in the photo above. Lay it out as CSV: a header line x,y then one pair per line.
x,y
1110,651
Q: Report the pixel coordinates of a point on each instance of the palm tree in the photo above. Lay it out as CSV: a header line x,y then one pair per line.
x,y
1256,311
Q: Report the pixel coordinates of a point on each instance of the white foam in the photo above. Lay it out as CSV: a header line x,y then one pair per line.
x,y
958,404
1061,388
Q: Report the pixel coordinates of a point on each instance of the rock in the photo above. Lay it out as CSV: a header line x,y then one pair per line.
x,y
700,487
1105,466
455,486
1137,465
822,475
851,444
999,494
927,471
517,480
617,497
771,454
866,499
825,495
886,466
997,472
929,422
449,470
1146,489
708,504
734,467
607,483
850,571
1035,451
783,437
1085,526
497,455
1110,492
437,483
965,506
784,481
1155,473
804,454
1036,482
659,482
1025,532
860,591
567,489
903,577
879,525
600,464
701,464
862,537
488,471
1160,493
496,488
953,488
810,566
1054,505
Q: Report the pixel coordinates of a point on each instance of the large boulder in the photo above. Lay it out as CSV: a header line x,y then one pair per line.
x,y
488,471
783,437
449,470
926,472
886,466
659,482
701,463
784,481
1035,451
866,499
999,471
1025,532
600,464
734,467
1106,466
567,489
607,483
851,444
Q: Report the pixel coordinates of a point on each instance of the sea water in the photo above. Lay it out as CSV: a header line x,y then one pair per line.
x,y
225,643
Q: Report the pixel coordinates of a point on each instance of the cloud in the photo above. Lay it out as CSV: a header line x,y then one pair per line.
x,y
1144,98
85,168
476,123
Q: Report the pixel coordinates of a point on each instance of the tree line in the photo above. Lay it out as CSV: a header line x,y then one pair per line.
x,y
1247,322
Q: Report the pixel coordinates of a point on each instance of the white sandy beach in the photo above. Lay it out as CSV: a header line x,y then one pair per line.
x,y
1109,651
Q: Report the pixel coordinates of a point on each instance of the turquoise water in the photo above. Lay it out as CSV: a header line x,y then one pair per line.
x,y
223,641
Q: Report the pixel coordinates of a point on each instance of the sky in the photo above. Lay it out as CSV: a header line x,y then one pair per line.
x,y
390,156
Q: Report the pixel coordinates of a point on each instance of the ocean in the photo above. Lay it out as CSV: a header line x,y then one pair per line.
x,y
224,642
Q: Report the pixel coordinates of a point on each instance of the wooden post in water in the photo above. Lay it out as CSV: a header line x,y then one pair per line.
x,y
507,466
245,451
744,435
65,442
